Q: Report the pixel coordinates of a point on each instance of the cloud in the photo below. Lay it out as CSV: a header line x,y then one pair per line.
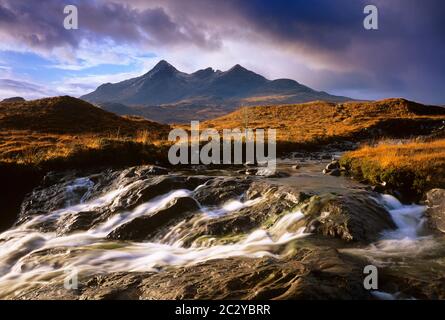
x,y
27,90
39,25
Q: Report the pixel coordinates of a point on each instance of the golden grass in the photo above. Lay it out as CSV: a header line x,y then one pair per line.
x,y
24,147
415,166
64,130
412,154
318,122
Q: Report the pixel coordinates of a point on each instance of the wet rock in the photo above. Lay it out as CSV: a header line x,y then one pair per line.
x,y
137,185
353,217
276,193
335,173
229,225
141,228
150,170
251,171
69,223
147,189
63,194
296,167
274,201
310,273
271,173
221,189
333,165
242,221
62,189
264,172
333,169
436,209
378,188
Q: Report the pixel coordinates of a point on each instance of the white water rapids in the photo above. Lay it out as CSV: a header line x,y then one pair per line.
x,y
408,239
90,251
25,259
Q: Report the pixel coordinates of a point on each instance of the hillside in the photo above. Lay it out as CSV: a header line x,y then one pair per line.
x,y
50,129
13,99
68,115
323,122
164,89
61,128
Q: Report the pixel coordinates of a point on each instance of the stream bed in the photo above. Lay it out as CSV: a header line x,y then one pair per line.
x,y
149,233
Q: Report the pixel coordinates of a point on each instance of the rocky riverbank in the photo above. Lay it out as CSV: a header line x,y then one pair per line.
x,y
151,233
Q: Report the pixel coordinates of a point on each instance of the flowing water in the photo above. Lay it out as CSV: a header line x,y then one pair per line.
x,y
31,256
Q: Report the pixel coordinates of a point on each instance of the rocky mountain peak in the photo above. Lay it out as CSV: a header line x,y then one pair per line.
x,y
162,67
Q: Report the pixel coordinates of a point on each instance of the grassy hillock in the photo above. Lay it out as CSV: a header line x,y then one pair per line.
x,y
318,123
412,168
64,131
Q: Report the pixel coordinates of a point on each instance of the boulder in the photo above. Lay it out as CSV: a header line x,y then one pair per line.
x,y
221,189
352,217
435,212
144,190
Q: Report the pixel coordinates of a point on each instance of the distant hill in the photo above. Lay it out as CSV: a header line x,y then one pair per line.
x,y
168,95
13,99
320,121
67,115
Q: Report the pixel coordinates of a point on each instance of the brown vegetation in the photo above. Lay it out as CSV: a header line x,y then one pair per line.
x,y
65,131
317,123
412,168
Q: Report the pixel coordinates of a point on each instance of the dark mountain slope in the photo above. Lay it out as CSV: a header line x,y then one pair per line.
x,y
165,86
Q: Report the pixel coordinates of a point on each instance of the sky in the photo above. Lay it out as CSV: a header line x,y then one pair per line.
x,y
320,43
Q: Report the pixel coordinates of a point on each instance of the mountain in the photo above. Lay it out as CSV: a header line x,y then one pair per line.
x,y
167,90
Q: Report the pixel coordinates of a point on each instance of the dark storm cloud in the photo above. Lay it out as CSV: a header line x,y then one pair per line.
x,y
123,23
404,56
6,15
39,24
33,23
